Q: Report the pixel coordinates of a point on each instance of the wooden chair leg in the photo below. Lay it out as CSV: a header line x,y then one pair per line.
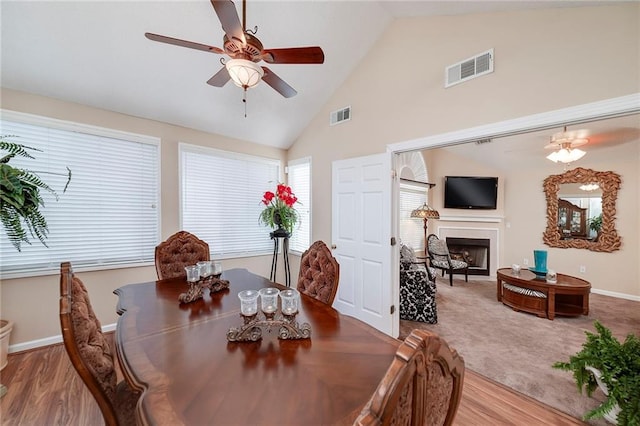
x,y
466,275
451,277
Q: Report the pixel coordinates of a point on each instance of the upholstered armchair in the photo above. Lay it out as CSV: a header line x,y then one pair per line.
x,y
440,258
417,288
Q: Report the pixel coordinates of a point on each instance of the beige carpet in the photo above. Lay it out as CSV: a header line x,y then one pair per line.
x,y
518,349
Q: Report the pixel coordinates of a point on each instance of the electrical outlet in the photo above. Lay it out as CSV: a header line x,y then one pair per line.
x,y
583,269
525,261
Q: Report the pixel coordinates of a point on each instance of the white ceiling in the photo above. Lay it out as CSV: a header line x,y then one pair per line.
x,y
95,53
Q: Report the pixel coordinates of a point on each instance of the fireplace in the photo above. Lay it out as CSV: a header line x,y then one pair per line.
x,y
475,251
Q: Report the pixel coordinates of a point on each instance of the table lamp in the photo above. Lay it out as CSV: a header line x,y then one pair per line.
x,y
425,212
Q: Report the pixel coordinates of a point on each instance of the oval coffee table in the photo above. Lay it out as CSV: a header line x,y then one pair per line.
x,y
525,292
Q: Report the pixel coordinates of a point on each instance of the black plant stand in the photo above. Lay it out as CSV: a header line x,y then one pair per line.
x,y
276,236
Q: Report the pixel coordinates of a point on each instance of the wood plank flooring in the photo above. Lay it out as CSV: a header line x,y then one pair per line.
x,y
44,389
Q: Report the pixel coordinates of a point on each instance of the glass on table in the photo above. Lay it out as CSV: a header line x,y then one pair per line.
x,y
248,302
193,273
269,300
217,268
205,268
289,298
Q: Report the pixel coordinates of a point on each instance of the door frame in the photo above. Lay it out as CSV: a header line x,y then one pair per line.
x,y
600,110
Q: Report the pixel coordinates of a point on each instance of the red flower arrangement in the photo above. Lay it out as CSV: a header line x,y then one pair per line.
x,y
280,212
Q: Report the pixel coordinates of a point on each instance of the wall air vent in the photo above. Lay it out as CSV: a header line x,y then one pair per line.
x,y
469,68
340,116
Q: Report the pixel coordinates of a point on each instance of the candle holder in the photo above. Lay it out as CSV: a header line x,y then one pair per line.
x,y
201,277
284,321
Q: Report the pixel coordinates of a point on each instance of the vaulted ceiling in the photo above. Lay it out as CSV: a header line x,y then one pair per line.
x,y
95,53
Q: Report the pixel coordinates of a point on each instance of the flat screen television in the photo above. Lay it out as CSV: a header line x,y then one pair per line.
x,y
470,192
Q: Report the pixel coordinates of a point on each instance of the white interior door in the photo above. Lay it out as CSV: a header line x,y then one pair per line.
x,y
361,236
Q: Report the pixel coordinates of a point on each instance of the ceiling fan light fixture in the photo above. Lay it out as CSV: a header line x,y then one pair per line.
x,y
566,155
244,73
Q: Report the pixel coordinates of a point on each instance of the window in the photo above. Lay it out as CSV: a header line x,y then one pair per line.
x,y
221,194
107,217
411,229
299,179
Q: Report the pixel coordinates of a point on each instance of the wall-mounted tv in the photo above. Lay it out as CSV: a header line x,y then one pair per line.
x,y
470,192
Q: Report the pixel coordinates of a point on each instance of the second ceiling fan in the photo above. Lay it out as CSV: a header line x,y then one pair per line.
x,y
245,51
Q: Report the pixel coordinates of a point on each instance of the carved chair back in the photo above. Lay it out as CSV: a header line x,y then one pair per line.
x,y
179,250
319,273
90,352
423,385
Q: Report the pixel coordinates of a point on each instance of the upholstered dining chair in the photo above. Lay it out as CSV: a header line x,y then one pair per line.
x,y
440,258
90,352
422,386
319,273
417,288
179,250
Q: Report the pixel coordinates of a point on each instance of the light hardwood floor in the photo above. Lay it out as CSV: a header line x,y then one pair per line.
x,y
44,389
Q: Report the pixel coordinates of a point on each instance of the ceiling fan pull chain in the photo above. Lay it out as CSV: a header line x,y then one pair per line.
x,y
244,100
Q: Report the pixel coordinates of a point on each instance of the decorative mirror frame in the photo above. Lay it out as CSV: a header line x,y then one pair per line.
x,y
609,182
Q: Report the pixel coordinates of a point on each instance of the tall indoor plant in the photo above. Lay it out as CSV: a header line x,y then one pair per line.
x,y
20,215
21,198
618,367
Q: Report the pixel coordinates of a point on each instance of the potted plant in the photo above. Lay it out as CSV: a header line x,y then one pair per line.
x,y
20,197
20,215
279,212
595,224
617,367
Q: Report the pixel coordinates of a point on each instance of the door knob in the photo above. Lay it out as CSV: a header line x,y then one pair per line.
x,y
333,247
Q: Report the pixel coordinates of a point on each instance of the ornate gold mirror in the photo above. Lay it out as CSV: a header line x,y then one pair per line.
x,y
567,224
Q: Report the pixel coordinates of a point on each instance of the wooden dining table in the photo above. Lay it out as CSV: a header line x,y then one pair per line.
x,y
179,357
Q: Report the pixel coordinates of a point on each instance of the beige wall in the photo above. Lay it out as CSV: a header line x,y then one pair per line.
x,y
544,60
41,294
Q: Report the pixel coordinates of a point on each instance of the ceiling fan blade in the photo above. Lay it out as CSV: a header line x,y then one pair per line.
x,y
294,55
220,78
277,83
228,16
183,43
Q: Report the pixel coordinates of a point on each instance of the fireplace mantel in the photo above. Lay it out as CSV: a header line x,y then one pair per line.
x,y
482,219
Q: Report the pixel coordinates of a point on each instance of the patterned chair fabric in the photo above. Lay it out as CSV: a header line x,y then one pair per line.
x,y
422,386
417,289
179,250
319,273
90,353
439,258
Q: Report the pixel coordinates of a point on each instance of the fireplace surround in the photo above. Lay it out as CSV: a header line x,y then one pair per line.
x,y
475,251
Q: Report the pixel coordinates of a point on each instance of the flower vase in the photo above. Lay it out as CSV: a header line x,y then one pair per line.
x,y
280,231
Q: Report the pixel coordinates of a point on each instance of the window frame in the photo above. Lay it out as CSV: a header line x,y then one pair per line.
x,y
309,203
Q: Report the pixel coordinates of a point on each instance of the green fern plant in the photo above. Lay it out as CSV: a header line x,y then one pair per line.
x,y
21,198
620,367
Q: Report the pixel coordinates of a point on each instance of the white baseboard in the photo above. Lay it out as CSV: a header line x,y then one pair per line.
x,y
616,294
38,343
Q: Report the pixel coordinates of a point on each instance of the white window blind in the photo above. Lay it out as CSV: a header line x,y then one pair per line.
x,y
221,194
411,229
107,217
299,179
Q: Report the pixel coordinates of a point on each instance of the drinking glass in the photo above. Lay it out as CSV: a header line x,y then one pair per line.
x,y
193,273
289,298
269,300
248,302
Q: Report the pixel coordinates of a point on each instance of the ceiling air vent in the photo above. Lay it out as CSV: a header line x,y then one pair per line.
x,y
340,116
469,68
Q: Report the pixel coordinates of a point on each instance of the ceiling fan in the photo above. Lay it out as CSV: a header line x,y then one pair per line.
x,y
245,51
